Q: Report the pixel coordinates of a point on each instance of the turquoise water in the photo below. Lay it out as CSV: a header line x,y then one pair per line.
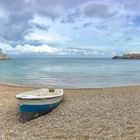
x,y
70,72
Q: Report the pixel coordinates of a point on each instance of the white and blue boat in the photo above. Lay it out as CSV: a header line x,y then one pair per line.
x,y
35,103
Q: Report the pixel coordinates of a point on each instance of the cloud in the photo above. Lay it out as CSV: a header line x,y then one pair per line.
x,y
136,20
16,16
47,50
67,4
78,51
72,17
101,27
37,23
87,24
27,49
14,22
49,13
17,5
41,27
131,6
30,6
128,39
34,49
16,27
98,10
45,37
22,23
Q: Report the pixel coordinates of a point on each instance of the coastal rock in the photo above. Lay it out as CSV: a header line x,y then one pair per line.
x,y
128,56
3,56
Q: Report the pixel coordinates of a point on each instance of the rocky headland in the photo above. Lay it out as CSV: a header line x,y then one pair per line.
x,y
3,56
128,56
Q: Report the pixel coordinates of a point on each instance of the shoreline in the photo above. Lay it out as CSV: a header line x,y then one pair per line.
x,y
67,88
91,113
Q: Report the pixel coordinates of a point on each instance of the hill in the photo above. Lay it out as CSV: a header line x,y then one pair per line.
x,y
3,56
128,56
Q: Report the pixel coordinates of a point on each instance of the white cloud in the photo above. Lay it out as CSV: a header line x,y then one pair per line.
x,y
5,47
26,49
45,49
45,37
41,20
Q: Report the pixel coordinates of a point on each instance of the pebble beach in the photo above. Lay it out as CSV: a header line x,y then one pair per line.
x,y
84,114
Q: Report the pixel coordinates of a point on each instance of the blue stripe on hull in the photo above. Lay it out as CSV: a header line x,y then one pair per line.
x,y
38,108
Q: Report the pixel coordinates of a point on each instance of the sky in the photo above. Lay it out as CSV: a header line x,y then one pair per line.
x,y
95,28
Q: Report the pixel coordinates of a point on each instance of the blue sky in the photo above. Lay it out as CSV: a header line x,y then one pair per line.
x,y
95,28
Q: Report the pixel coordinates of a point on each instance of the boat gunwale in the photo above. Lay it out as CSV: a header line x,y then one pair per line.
x,y
39,97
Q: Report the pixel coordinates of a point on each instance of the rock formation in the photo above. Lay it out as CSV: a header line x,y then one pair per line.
x,y
3,56
128,56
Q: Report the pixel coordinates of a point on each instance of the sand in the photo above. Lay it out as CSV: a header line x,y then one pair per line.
x,y
84,114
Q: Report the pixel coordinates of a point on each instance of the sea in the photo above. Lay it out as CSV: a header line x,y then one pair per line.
x,y
70,72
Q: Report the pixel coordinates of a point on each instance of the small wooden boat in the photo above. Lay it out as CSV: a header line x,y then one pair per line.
x,y
33,104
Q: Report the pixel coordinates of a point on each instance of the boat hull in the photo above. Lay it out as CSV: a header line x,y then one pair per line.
x,y
37,108
31,109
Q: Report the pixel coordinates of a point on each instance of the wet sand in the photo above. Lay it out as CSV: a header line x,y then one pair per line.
x,y
102,114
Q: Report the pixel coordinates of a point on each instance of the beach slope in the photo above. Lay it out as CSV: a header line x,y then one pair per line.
x,y
105,113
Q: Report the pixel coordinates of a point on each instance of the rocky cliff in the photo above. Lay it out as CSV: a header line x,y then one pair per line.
x,y
128,56
3,56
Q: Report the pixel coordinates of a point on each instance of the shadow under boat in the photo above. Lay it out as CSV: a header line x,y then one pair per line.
x,y
33,104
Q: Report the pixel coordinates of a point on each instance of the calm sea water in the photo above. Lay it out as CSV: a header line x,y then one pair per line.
x,y
70,72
